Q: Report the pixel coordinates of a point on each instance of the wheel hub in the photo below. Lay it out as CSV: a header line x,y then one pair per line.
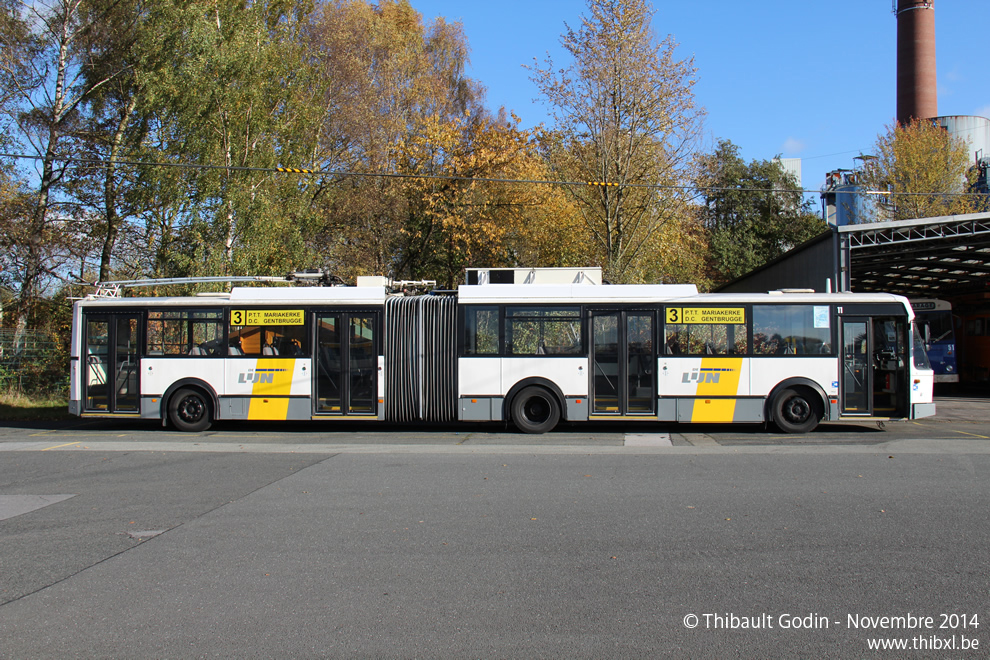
x,y
191,409
537,410
797,410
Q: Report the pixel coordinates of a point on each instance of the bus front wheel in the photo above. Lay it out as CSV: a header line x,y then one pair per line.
x,y
535,410
796,410
189,410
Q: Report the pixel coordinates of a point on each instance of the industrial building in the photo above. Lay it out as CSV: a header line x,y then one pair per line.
x,y
946,258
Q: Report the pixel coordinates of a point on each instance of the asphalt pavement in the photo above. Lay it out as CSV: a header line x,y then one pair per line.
x,y
300,545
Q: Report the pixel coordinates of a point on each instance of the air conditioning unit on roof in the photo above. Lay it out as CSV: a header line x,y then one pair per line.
x,y
483,276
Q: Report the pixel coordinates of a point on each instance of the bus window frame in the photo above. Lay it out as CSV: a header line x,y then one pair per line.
x,y
833,315
663,325
145,314
834,311
503,326
461,326
506,319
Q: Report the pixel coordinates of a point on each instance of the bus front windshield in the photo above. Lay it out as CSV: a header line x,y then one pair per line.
x,y
918,350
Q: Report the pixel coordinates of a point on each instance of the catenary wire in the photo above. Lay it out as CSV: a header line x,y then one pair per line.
x,y
452,177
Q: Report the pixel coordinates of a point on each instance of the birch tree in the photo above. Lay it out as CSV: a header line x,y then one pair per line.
x,y
224,87
44,71
111,132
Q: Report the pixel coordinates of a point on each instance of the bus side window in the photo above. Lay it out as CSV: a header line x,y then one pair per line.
x,y
267,340
550,330
790,330
705,339
190,332
481,331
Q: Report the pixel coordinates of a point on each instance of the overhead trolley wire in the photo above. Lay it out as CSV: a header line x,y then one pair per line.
x,y
453,177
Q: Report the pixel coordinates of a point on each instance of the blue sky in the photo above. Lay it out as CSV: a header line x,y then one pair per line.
x,y
800,78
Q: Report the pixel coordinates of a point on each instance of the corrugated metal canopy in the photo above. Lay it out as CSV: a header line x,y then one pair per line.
x,y
940,257
927,258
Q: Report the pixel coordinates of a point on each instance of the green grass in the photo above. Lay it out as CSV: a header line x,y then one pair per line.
x,y
18,407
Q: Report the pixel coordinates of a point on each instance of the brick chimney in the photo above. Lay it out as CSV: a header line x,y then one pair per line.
x,y
917,94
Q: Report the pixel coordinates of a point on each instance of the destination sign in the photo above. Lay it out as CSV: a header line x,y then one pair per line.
x,y
267,317
698,315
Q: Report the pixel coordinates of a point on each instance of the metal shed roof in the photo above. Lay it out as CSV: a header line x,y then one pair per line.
x,y
938,257
929,257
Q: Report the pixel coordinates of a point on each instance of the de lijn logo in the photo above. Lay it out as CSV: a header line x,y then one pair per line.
x,y
258,375
703,375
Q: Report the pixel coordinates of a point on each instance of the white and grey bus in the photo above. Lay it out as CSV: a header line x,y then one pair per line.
x,y
530,347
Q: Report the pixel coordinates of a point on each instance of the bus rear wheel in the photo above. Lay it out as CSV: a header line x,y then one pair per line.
x,y
189,410
796,410
535,410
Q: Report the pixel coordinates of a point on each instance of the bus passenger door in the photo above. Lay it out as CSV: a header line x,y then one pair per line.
x,y
346,363
623,363
110,373
857,380
891,388
874,378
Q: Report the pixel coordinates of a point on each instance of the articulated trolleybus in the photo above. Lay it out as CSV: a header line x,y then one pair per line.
x,y
530,347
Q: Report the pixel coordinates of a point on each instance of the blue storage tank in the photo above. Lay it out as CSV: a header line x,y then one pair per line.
x,y
843,203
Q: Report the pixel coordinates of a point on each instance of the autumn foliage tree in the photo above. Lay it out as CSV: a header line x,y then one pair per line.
x,y
920,171
625,122
159,125
405,120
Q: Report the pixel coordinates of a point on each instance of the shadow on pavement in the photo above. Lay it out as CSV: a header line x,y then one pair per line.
x,y
382,428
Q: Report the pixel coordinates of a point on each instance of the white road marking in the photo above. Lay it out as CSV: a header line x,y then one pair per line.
x,y
15,505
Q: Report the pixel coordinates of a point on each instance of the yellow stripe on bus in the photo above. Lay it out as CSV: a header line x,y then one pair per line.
x,y
719,377
271,389
273,408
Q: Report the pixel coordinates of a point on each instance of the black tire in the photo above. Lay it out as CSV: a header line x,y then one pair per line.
x,y
796,410
189,410
535,410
